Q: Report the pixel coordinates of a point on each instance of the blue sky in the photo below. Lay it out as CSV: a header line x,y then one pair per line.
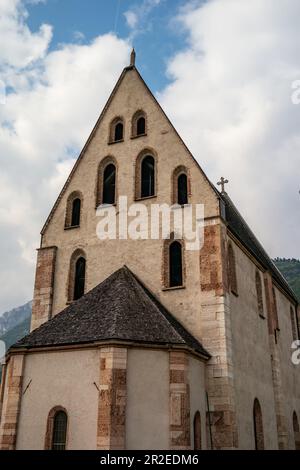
x,y
155,44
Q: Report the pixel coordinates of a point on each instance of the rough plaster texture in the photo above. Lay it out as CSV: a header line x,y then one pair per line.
x,y
147,400
290,373
252,364
252,349
60,379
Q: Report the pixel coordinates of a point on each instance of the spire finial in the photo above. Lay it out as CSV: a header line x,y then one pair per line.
x,y
132,58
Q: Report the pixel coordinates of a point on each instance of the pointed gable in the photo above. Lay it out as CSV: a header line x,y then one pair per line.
x,y
127,92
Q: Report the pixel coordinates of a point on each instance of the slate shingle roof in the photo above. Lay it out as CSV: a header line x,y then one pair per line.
x,y
241,230
120,308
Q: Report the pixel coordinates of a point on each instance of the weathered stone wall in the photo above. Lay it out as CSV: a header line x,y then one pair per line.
x,y
180,430
262,365
43,287
11,402
216,330
251,352
112,399
290,373
147,409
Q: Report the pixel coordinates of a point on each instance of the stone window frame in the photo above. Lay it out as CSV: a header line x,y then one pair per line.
x,y
137,115
259,294
232,275
50,427
109,159
258,427
179,170
69,208
166,263
197,422
112,126
78,253
148,151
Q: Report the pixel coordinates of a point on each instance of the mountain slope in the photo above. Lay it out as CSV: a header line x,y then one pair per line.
x,y
9,320
18,331
290,268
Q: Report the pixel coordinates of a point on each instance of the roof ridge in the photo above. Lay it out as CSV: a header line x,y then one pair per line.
x,y
246,224
90,137
165,313
144,294
259,245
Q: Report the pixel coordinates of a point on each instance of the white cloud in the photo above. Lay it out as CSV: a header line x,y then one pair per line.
x,y
21,47
230,98
131,18
137,17
54,104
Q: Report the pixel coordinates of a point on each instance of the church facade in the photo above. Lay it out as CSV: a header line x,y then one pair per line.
x,y
142,343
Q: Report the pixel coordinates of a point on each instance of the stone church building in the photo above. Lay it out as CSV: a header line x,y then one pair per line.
x,y
142,343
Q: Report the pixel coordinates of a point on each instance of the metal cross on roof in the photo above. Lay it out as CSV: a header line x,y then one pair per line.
x,y
222,183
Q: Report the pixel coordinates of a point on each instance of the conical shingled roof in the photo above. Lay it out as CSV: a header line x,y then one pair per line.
x,y
120,308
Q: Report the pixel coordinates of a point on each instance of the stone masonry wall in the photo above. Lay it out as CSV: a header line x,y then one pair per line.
x,y
112,399
216,336
43,288
11,403
180,437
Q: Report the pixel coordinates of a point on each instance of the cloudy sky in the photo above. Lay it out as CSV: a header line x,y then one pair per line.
x,y
223,71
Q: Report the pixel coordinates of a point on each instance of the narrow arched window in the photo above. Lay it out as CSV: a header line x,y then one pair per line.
x,y
138,124
258,426
232,270
59,436
73,209
148,176
141,126
296,431
175,264
182,189
118,132
180,185
56,430
259,294
76,212
293,324
109,184
79,278
197,431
